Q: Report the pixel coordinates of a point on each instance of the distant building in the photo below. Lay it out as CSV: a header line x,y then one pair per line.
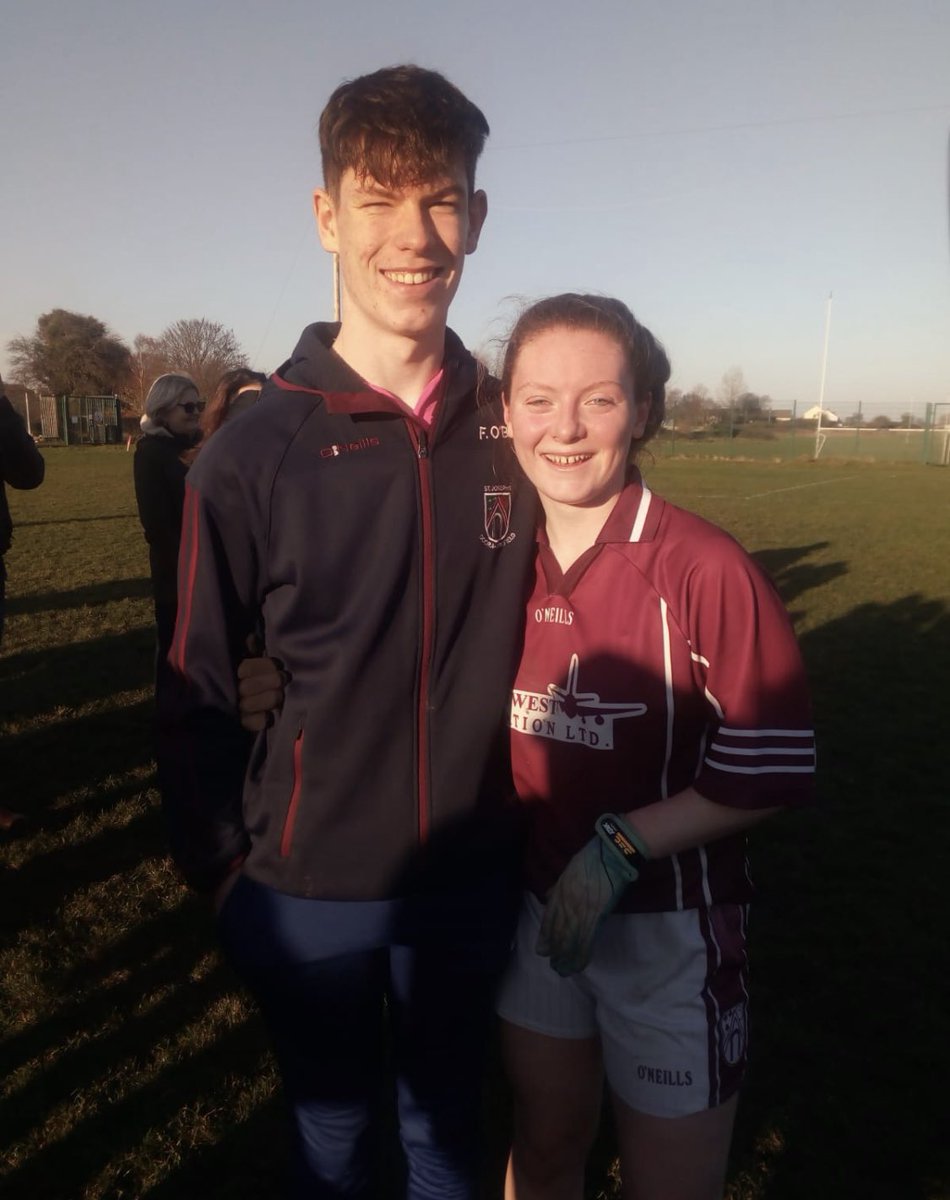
x,y
827,416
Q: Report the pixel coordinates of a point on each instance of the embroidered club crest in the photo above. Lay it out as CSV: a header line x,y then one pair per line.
x,y
732,1033
497,515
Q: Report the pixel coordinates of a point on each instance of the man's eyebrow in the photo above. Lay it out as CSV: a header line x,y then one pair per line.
x,y
370,187
450,190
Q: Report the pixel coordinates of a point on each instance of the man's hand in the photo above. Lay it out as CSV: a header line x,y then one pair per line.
x,y
261,683
588,889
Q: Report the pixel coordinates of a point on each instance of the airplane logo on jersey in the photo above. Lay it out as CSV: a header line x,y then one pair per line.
x,y
566,714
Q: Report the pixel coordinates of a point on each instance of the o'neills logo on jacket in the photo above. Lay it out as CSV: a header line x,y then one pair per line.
x,y
339,448
497,515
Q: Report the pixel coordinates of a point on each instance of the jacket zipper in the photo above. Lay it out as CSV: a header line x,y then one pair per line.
x,y
288,833
420,439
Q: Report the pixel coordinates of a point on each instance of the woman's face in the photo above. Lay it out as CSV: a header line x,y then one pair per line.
x,y
182,418
573,415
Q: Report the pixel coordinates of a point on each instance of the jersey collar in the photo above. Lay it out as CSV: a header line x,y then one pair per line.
x,y
636,515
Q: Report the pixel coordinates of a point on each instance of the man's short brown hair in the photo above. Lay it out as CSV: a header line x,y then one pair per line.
x,y
400,126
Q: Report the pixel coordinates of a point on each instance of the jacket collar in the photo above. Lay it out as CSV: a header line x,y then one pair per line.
x,y
315,367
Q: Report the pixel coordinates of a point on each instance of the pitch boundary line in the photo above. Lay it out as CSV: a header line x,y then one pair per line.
x,y
797,487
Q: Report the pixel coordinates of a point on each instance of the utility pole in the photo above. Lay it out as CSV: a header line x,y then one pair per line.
x,y
819,438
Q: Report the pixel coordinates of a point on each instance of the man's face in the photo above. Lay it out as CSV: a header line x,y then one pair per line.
x,y
401,250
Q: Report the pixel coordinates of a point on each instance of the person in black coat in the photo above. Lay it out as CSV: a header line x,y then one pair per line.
x,y
21,466
169,430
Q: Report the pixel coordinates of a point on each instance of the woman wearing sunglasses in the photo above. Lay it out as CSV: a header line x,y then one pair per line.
x,y
169,430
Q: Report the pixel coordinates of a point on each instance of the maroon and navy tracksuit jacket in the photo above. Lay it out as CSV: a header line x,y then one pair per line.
x,y
385,565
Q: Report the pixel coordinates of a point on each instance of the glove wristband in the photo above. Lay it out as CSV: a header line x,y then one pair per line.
x,y
628,848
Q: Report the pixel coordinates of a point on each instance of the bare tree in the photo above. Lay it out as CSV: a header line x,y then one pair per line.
x,y
70,354
731,387
202,349
146,363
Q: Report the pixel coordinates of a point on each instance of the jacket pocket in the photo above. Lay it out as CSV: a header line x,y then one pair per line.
x,y
287,836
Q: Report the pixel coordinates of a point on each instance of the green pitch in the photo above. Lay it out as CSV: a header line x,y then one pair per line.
x,y
132,1066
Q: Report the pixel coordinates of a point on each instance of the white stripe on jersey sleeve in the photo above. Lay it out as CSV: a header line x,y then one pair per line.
x,y
778,751
729,731
783,770
760,750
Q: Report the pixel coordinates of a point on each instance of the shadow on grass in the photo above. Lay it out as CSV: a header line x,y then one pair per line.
x,y
46,880
156,980
40,765
92,594
61,1170
792,576
75,520
850,955
36,682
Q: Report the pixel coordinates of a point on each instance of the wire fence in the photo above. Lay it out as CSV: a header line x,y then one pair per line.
x,y
920,434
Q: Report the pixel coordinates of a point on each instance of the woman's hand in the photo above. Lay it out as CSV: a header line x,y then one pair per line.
x,y
587,890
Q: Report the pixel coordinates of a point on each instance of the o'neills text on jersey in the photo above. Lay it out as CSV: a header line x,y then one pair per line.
x,y
554,615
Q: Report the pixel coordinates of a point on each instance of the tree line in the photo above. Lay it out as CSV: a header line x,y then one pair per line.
x,y
72,354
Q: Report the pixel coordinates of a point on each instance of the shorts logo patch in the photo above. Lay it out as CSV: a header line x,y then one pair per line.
x,y
733,1034
496,514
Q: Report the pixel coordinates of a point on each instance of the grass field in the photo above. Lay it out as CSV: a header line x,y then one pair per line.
x,y
131,1064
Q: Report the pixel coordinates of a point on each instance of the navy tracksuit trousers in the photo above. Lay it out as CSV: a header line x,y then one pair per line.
x,y
340,981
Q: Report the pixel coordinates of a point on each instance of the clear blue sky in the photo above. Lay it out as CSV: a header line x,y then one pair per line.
x,y
721,166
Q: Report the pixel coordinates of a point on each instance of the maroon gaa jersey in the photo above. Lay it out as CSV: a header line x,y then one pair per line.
x,y
662,659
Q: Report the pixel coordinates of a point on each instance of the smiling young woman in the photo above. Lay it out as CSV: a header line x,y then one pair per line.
x,y
659,711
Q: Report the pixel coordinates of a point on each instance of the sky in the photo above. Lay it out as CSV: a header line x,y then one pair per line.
x,y
720,165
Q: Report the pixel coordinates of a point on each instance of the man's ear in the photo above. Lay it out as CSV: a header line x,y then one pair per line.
x,y
477,212
325,212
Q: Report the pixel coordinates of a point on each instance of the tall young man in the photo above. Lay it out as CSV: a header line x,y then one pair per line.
x,y
360,519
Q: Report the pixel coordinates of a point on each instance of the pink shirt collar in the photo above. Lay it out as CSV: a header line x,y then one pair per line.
x,y
427,403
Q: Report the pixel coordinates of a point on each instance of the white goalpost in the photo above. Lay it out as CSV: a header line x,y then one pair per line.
x,y
938,434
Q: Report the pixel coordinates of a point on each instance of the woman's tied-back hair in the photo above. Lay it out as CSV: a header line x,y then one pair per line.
x,y
401,126
649,365
231,384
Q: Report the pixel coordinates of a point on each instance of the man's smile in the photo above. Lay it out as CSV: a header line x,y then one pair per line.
x,y
413,278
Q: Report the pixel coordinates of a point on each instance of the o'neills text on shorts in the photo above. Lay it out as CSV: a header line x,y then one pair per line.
x,y
663,1075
